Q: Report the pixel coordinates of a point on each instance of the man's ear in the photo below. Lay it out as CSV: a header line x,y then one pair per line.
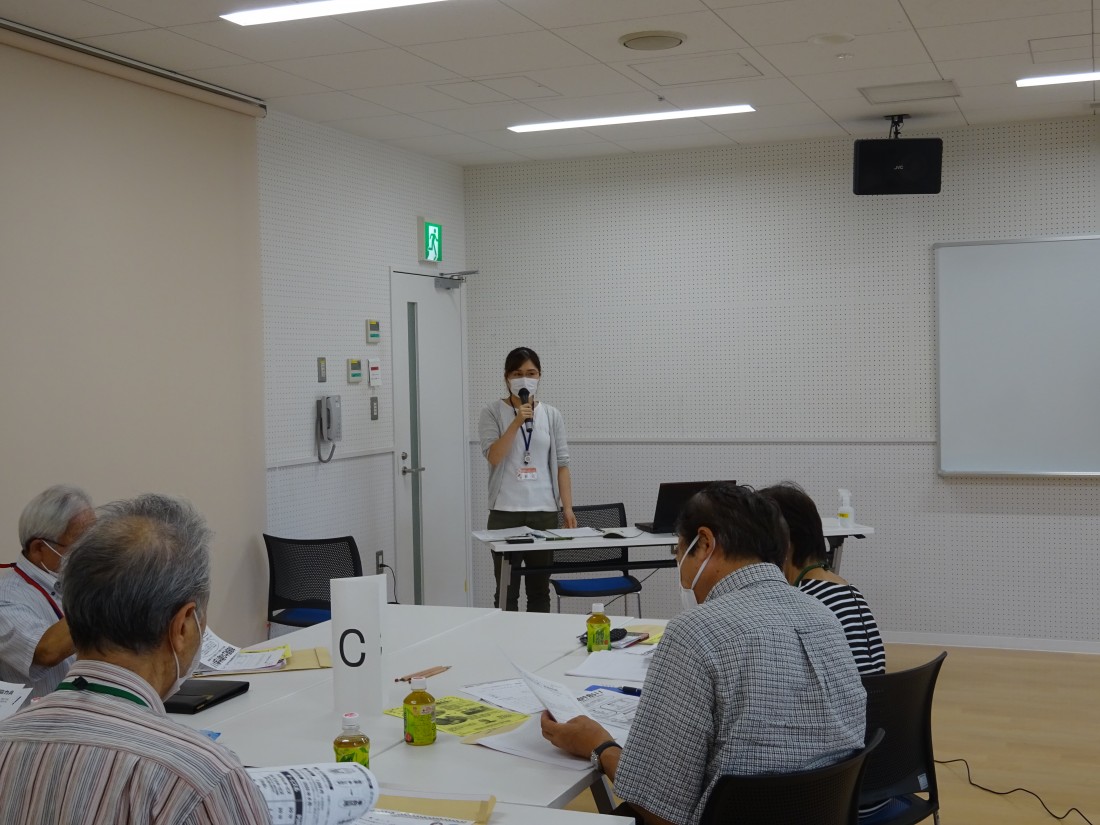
x,y
180,626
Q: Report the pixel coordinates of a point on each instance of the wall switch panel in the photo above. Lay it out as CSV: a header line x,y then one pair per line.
x,y
322,371
374,408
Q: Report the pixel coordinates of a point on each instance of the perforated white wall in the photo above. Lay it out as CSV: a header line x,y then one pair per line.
x,y
336,212
744,304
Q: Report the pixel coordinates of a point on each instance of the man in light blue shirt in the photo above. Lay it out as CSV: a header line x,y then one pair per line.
x,y
35,646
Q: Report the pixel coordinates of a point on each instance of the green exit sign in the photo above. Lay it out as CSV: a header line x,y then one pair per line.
x,y
431,241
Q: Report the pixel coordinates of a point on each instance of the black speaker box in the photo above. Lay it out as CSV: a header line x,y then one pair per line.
x,y
903,166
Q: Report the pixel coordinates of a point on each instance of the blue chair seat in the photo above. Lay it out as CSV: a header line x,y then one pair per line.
x,y
607,586
302,616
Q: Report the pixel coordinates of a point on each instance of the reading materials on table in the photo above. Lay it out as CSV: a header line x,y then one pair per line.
x,y
220,656
328,794
465,717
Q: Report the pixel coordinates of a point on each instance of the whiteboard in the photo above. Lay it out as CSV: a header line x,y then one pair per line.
x,y
1019,357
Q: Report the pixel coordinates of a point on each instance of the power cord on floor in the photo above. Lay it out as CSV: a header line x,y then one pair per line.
x,y
1014,790
394,574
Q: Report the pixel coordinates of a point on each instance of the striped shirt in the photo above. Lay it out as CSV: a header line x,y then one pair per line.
x,y
85,758
25,614
757,679
855,616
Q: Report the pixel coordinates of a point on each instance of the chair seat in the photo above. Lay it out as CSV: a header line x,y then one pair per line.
x,y
607,586
901,810
302,616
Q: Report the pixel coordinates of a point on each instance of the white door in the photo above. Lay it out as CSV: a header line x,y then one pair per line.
x,y
431,467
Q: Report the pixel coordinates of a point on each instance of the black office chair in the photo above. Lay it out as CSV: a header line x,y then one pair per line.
x,y
595,515
823,796
900,704
299,591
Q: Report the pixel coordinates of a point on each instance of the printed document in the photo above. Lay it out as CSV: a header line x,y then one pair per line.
x,y
12,697
555,697
329,794
219,655
510,694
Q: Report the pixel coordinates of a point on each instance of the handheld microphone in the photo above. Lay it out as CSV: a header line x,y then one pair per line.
x,y
524,396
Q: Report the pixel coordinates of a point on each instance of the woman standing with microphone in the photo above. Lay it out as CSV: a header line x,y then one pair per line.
x,y
524,441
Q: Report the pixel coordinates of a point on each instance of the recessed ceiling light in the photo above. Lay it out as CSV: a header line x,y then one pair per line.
x,y
831,39
898,92
644,118
1051,80
651,41
322,8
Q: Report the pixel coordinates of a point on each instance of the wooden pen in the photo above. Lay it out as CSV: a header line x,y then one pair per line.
x,y
423,674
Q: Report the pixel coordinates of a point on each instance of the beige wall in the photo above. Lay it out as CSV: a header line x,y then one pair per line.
x,y
130,310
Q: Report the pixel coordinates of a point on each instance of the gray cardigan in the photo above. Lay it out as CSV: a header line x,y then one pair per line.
x,y
492,426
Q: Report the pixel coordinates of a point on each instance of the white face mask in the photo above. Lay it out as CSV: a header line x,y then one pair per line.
x,y
517,384
54,577
185,675
687,594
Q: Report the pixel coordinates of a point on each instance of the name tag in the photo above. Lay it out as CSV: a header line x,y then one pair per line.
x,y
527,474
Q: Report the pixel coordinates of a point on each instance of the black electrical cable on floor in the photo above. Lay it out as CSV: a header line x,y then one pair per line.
x,y
1014,790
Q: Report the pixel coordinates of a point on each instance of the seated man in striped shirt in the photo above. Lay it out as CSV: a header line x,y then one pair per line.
x,y
101,748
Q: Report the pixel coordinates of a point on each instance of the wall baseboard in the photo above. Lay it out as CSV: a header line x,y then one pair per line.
x,y
992,642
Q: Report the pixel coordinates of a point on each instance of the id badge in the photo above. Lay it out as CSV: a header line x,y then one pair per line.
x,y
527,473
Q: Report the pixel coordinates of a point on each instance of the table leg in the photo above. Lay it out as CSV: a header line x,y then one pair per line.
x,y
602,794
505,578
836,550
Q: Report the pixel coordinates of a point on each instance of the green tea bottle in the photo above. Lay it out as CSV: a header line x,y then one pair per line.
x,y
599,629
419,714
352,745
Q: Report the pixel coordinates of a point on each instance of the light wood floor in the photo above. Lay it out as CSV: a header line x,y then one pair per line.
x,y
1020,719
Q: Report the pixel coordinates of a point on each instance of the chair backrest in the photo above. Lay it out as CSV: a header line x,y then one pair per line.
x,y
301,569
900,704
823,796
594,515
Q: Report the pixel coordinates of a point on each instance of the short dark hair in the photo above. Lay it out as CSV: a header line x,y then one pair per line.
x,y
803,522
745,524
518,357
129,574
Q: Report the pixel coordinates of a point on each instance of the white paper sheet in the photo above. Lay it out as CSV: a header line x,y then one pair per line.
x,y
576,532
620,532
218,654
500,535
555,697
609,707
381,816
12,697
510,694
612,664
527,741
328,794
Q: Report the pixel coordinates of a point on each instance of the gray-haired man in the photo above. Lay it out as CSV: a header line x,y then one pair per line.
x,y
135,592
35,646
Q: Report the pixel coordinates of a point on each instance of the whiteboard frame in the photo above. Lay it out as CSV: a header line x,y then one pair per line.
x,y
939,440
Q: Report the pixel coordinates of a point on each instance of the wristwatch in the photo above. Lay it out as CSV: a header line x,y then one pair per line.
x,y
595,757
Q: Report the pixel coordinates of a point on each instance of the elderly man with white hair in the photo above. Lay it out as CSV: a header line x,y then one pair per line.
x,y
101,749
35,646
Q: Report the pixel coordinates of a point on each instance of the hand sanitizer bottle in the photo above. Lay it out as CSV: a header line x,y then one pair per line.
x,y
844,513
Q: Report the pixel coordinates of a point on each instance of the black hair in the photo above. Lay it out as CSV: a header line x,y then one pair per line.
x,y
746,525
803,522
518,357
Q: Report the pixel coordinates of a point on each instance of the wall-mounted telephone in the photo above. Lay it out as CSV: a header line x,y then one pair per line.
x,y
329,425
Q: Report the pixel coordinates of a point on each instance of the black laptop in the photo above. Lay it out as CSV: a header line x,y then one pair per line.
x,y
671,498
197,695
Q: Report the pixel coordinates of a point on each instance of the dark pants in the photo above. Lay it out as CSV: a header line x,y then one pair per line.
x,y
538,585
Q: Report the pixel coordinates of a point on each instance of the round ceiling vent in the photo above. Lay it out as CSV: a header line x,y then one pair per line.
x,y
651,41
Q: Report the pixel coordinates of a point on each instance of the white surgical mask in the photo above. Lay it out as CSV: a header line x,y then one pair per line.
x,y
54,577
687,594
183,676
517,384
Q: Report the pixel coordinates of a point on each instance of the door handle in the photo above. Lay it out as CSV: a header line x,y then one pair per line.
x,y
407,470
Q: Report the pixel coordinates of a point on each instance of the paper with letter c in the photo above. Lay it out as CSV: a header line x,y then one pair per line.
x,y
329,794
358,683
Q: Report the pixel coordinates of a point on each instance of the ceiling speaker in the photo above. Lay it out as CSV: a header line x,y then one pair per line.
x,y
909,166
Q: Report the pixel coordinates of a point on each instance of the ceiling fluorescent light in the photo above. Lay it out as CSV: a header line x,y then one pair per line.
x,y
646,118
1051,80
323,8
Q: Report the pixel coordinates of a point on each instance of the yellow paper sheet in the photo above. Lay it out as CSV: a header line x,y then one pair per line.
x,y
465,717
478,810
655,631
